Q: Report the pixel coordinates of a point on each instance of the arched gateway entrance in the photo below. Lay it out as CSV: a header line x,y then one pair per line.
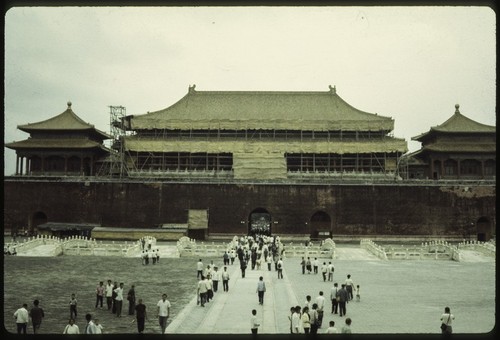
x,y
320,225
259,222
36,219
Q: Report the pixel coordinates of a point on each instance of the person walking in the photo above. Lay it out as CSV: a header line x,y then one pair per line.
x,y
358,295
109,294
199,269
324,270
215,279
269,261
349,285
261,289
280,268
210,290
90,328
333,297
243,266
446,321
98,326
36,314
163,312
331,329
346,329
315,265
99,291
330,271
296,321
72,307
342,297
314,318
320,300
303,265
225,279
308,302
71,328
22,317
140,316
201,291
254,325
113,298
306,320
308,265
225,258
119,300
131,300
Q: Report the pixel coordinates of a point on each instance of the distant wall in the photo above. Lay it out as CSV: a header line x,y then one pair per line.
x,y
350,209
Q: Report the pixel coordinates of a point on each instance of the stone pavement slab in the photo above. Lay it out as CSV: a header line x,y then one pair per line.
x,y
406,296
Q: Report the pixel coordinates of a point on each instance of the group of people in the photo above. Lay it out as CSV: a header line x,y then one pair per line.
x,y
113,294
23,316
208,281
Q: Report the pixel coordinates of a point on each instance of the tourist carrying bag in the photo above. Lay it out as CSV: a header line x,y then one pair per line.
x,y
443,325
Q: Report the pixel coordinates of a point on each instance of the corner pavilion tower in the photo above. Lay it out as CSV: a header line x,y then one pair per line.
x,y
63,145
260,135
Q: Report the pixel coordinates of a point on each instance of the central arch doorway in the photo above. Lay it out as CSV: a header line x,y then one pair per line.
x,y
259,222
320,226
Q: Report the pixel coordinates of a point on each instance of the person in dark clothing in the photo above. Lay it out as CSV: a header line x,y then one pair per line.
x,y
140,315
243,266
131,300
36,314
342,298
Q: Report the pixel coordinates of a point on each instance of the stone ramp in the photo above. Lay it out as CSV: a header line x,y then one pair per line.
x,y
353,253
230,312
39,251
475,256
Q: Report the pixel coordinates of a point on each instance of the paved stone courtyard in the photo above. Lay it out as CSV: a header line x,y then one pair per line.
x,y
404,296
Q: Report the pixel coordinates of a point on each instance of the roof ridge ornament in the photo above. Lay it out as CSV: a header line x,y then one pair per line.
x,y
192,88
69,105
332,89
457,106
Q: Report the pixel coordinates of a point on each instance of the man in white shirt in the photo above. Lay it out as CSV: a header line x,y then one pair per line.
x,y
109,294
320,300
91,327
225,280
315,265
163,312
331,329
280,268
333,298
215,279
202,292
22,318
71,328
199,268
330,271
349,285
296,320
119,300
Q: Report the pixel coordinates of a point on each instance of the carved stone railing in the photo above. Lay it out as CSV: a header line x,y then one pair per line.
x,y
325,250
435,250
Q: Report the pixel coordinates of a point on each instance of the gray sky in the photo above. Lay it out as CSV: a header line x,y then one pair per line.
x,y
409,63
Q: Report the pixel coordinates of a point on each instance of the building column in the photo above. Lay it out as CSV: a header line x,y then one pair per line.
x,y
482,168
21,166
65,164
17,165
458,168
28,163
431,175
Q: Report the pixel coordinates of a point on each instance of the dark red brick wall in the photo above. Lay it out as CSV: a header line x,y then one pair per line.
x,y
353,209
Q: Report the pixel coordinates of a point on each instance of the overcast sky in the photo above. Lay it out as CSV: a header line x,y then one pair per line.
x,y
409,63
